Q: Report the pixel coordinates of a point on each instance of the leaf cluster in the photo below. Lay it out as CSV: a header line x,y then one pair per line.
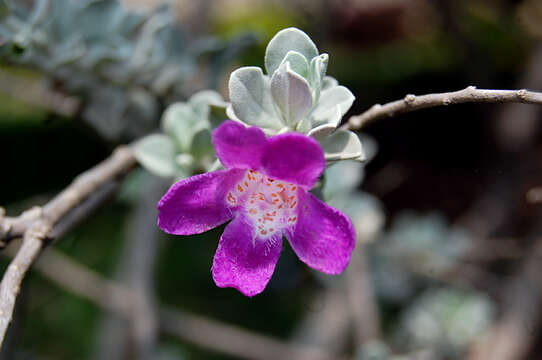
x,y
295,95
185,146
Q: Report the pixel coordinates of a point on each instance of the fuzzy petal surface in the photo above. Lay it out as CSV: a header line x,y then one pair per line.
x,y
197,204
242,261
323,237
294,157
238,146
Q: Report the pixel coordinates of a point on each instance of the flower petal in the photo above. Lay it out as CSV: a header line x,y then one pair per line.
x,y
243,261
239,146
293,157
323,237
197,204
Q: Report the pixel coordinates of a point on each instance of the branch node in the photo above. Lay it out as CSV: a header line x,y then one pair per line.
x,y
40,230
409,99
471,88
446,101
522,94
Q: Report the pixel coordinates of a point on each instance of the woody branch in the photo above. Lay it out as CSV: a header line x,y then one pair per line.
x,y
37,225
417,102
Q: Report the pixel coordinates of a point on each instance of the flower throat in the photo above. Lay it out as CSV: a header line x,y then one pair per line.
x,y
270,204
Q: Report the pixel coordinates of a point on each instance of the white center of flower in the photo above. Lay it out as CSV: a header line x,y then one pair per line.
x,y
270,204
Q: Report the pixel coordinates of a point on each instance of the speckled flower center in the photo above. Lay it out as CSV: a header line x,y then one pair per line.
x,y
270,204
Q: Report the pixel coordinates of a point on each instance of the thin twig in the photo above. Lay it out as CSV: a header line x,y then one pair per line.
x,y
85,184
80,213
119,163
14,275
36,225
468,95
208,333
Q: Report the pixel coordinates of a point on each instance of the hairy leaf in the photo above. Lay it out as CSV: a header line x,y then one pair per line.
x,y
285,41
330,99
292,94
342,145
318,68
251,98
157,153
298,63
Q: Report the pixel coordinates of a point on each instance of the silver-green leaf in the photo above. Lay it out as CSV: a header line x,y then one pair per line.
x,y
251,99
284,41
320,132
157,154
338,96
181,123
342,145
298,63
317,71
201,101
292,94
329,82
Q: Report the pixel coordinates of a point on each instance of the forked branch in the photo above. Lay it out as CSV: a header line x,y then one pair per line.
x,y
38,224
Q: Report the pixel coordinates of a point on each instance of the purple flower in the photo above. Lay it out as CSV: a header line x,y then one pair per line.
x,y
265,190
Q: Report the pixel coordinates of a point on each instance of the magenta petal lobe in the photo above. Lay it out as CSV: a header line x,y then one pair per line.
x,y
238,146
294,157
243,261
198,203
323,237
